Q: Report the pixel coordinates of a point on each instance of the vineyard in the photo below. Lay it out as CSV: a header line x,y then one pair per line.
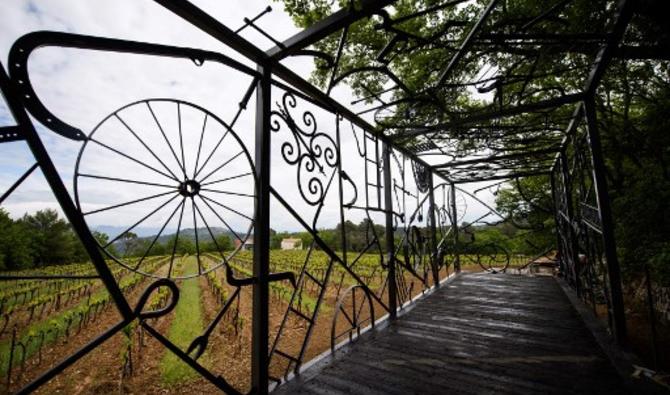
x,y
43,319
195,200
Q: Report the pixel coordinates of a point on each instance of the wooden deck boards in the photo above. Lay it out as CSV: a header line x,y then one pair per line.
x,y
479,334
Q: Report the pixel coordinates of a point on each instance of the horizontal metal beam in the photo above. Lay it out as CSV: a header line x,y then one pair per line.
x,y
505,112
327,26
495,158
467,43
10,133
219,31
503,177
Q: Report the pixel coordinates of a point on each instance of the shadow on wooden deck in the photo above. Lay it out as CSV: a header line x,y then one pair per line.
x,y
479,334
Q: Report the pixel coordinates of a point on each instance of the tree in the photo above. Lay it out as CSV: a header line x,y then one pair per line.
x,y
51,237
129,242
185,245
223,241
16,250
632,102
156,249
103,238
527,202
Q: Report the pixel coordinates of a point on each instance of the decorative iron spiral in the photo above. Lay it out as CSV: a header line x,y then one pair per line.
x,y
313,152
422,176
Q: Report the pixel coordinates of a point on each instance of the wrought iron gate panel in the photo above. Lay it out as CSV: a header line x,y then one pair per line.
x,y
351,184
411,216
581,235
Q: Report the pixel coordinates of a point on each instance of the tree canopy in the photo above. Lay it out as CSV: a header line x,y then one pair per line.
x,y
397,56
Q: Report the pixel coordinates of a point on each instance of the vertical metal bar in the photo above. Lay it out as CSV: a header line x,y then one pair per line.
x,y
605,211
433,233
390,247
652,317
379,188
454,227
561,253
260,320
567,195
343,236
557,222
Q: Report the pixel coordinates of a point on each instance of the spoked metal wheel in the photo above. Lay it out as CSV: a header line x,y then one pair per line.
x,y
166,178
493,258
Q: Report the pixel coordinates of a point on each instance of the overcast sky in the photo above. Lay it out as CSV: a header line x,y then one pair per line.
x,y
83,87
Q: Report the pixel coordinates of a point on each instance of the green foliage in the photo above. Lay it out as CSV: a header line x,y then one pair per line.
x,y
52,238
632,103
528,204
222,241
184,245
103,239
39,240
15,248
186,325
637,148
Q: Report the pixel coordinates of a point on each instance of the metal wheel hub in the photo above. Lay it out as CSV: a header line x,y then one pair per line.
x,y
189,188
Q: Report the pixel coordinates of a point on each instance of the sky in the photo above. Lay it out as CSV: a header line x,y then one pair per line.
x,y
87,89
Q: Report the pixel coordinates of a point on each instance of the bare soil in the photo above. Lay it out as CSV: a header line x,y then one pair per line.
x,y
228,354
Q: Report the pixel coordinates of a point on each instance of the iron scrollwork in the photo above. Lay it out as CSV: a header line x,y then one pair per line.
x,y
313,152
422,176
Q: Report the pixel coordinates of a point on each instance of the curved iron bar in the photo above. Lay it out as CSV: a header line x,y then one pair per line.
x,y
311,151
25,45
199,344
354,322
212,27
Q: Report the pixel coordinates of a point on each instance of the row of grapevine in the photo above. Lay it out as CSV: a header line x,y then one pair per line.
x,y
48,297
31,340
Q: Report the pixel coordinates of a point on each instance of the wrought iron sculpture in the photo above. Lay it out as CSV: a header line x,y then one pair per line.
x,y
398,188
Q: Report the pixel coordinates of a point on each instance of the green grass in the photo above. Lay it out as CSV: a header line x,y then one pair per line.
x,y
186,325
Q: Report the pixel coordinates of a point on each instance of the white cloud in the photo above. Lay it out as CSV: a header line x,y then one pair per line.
x,y
82,87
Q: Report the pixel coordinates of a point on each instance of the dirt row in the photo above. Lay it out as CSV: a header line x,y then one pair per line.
x,y
228,354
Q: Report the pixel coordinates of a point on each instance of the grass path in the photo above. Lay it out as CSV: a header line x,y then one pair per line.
x,y
186,325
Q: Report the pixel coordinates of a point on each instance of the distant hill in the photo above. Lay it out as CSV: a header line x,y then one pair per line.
x,y
188,233
203,234
113,231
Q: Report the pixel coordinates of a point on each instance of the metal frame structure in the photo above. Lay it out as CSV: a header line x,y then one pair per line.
x,y
401,177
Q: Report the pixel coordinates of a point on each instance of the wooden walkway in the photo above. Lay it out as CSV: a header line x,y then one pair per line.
x,y
479,334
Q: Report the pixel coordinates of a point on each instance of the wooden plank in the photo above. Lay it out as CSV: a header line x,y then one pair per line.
x,y
480,334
